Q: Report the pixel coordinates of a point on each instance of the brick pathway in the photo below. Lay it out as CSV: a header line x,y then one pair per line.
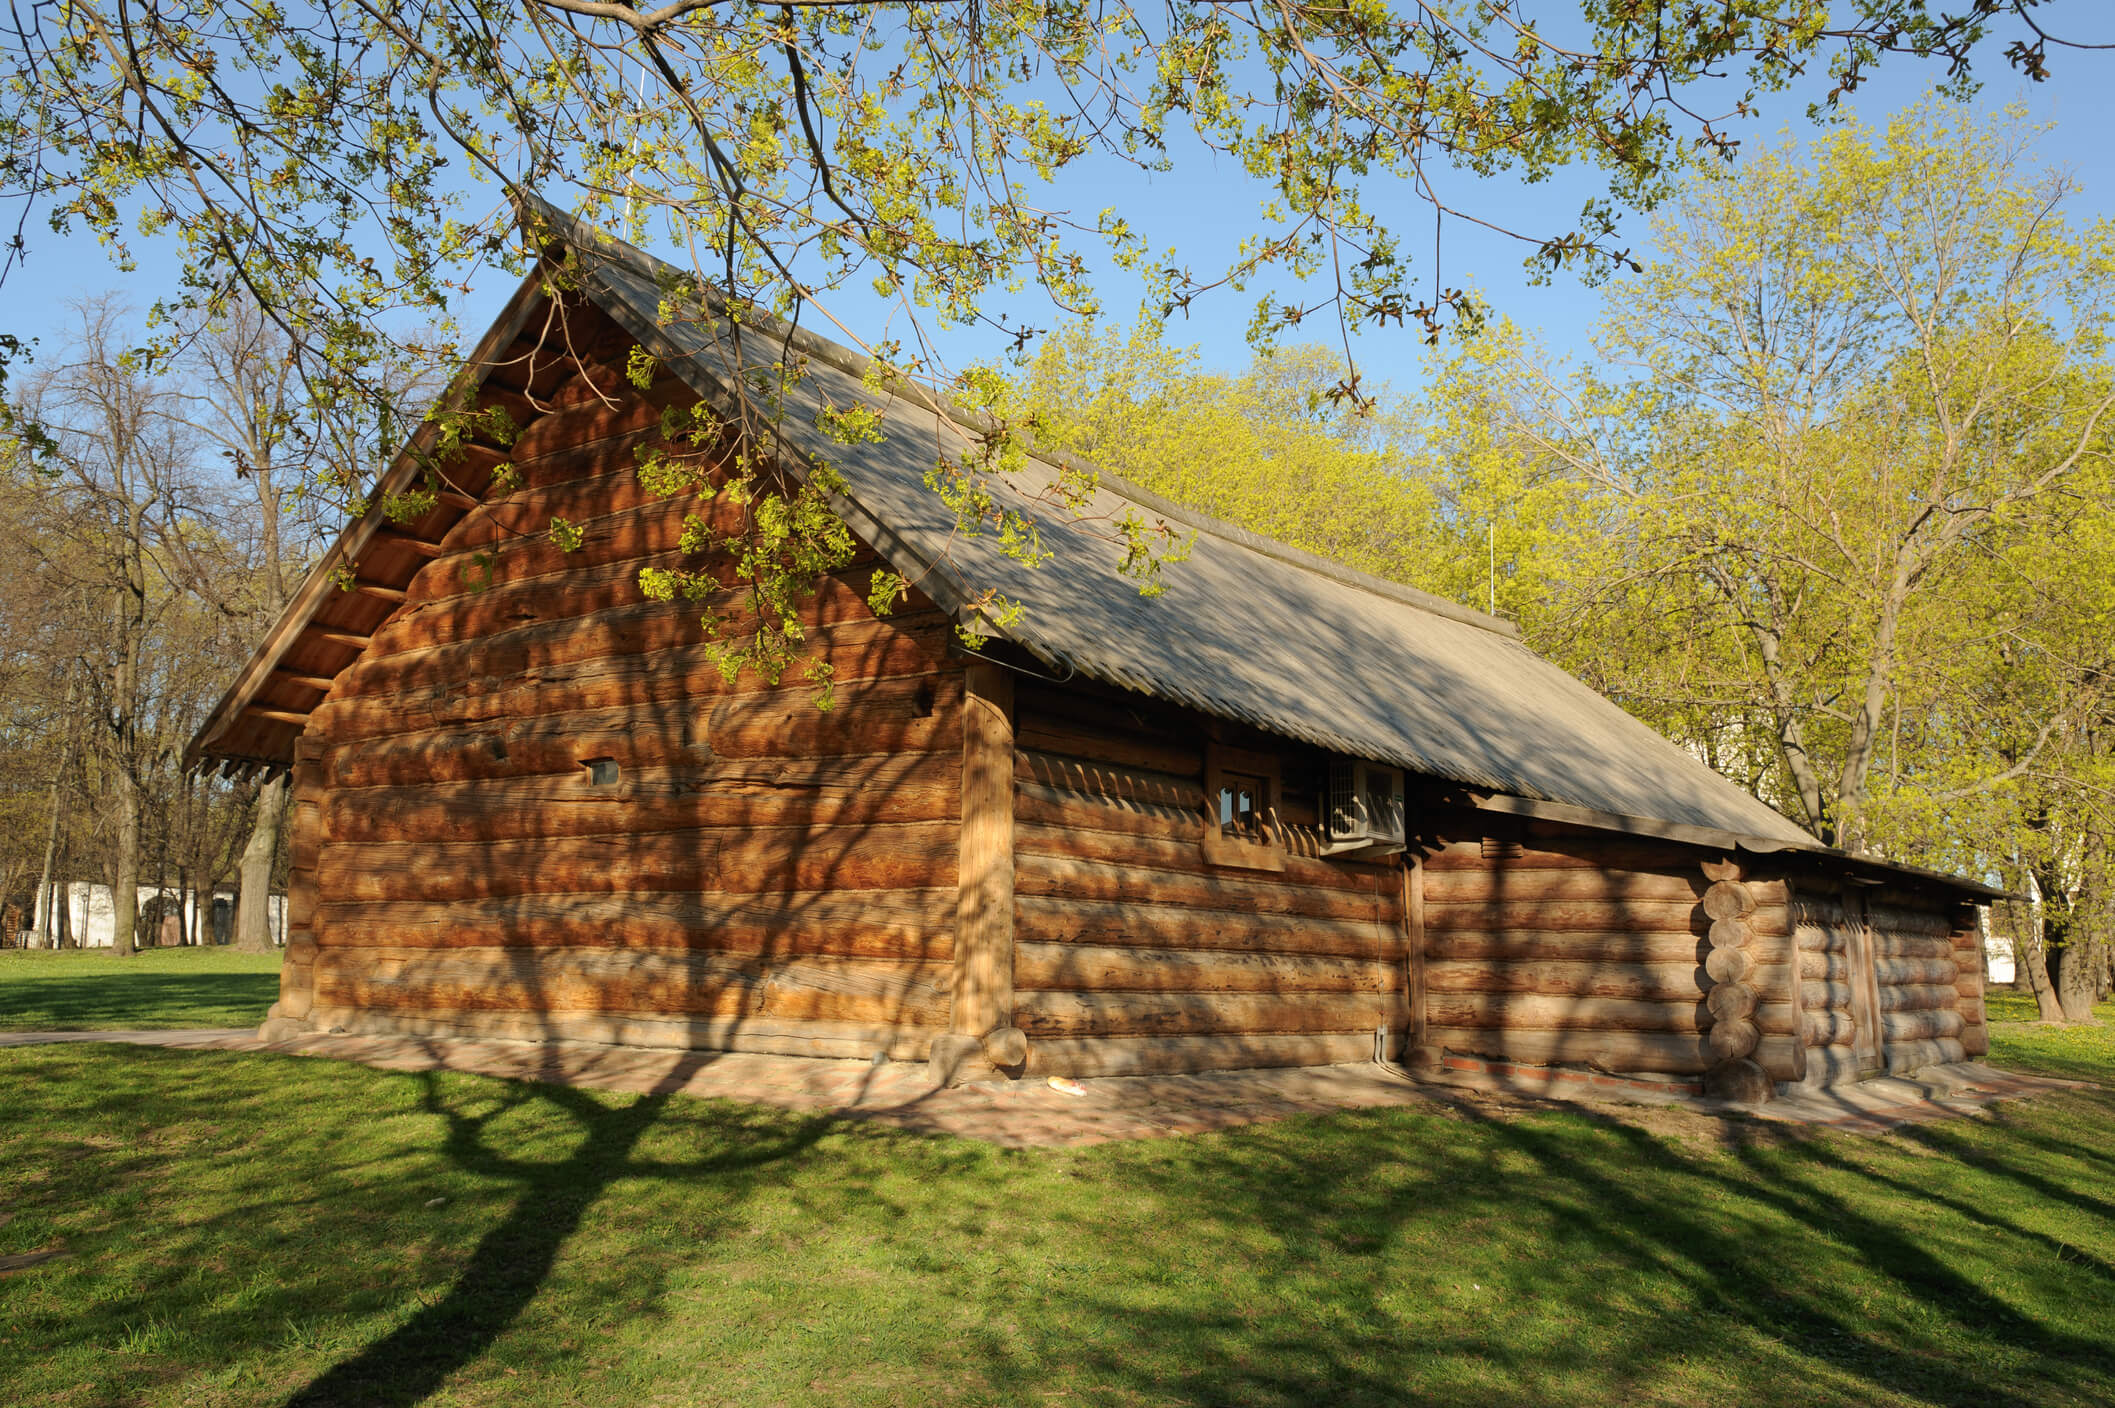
x,y
1029,1113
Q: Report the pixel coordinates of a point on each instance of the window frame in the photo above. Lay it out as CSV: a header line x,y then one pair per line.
x,y
1221,849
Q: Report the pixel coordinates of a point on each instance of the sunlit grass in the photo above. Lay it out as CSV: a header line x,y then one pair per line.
x,y
94,990
266,1230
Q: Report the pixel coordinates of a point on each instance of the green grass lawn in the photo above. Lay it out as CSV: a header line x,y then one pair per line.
x,y
2021,1043
272,1230
94,990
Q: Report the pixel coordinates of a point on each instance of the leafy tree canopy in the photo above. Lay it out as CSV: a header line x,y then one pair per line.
x,y
315,155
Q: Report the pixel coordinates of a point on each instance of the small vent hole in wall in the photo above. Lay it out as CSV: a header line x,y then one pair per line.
x,y
1495,849
602,772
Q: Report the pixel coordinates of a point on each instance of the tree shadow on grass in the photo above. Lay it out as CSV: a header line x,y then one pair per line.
x,y
119,1000
512,1262
1616,1264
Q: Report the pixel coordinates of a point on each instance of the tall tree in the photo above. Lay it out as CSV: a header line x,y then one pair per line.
x,y
1859,381
120,481
246,397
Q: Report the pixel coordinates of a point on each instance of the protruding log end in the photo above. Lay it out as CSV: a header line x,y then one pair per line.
x,y
1742,1082
958,1058
1007,1047
1733,1041
1731,1002
277,1027
1728,933
1728,965
1728,899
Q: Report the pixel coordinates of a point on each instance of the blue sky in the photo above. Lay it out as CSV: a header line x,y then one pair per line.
x,y
1203,207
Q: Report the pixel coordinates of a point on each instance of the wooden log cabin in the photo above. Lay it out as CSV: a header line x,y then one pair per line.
x,y
1280,814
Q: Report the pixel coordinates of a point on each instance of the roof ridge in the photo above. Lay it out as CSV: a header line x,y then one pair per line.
x,y
857,364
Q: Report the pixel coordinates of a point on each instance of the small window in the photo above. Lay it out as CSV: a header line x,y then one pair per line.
x,y
1243,803
1241,809
602,772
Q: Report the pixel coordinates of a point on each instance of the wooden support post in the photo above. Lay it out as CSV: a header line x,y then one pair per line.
x,y
289,1016
982,1036
1420,1057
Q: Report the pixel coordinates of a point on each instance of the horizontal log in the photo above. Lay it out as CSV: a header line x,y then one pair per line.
x,y
1898,945
1102,968
1902,1056
1829,1028
1920,1025
1043,1013
584,423
539,644
1682,980
550,980
1829,967
905,924
1820,995
1060,877
1969,983
555,598
475,563
1895,919
1564,945
1669,916
898,856
1186,855
1502,885
767,1035
1915,970
574,480
1062,783
1917,997
917,714
1113,747
1537,1011
889,716
1062,810
1569,853
1062,919
1038,804
1834,1064
1618,1053
853,651
776,792
1816,938
1176,1055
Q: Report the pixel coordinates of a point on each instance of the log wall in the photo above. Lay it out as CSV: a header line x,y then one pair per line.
x,y
763,875
1893,977
1134,954
1551,949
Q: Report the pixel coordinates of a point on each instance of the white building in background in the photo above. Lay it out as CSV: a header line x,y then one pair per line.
x,y
91,915
1998,954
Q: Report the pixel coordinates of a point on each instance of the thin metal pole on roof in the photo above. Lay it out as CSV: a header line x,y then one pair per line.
x,y
1494,567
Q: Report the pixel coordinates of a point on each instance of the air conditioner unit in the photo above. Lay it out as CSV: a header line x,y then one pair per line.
x,y
1365,815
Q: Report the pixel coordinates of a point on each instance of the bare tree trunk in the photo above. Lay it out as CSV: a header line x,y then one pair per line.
x,y
47,899
125,886
253,904
46,902
2075,979
2029,942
